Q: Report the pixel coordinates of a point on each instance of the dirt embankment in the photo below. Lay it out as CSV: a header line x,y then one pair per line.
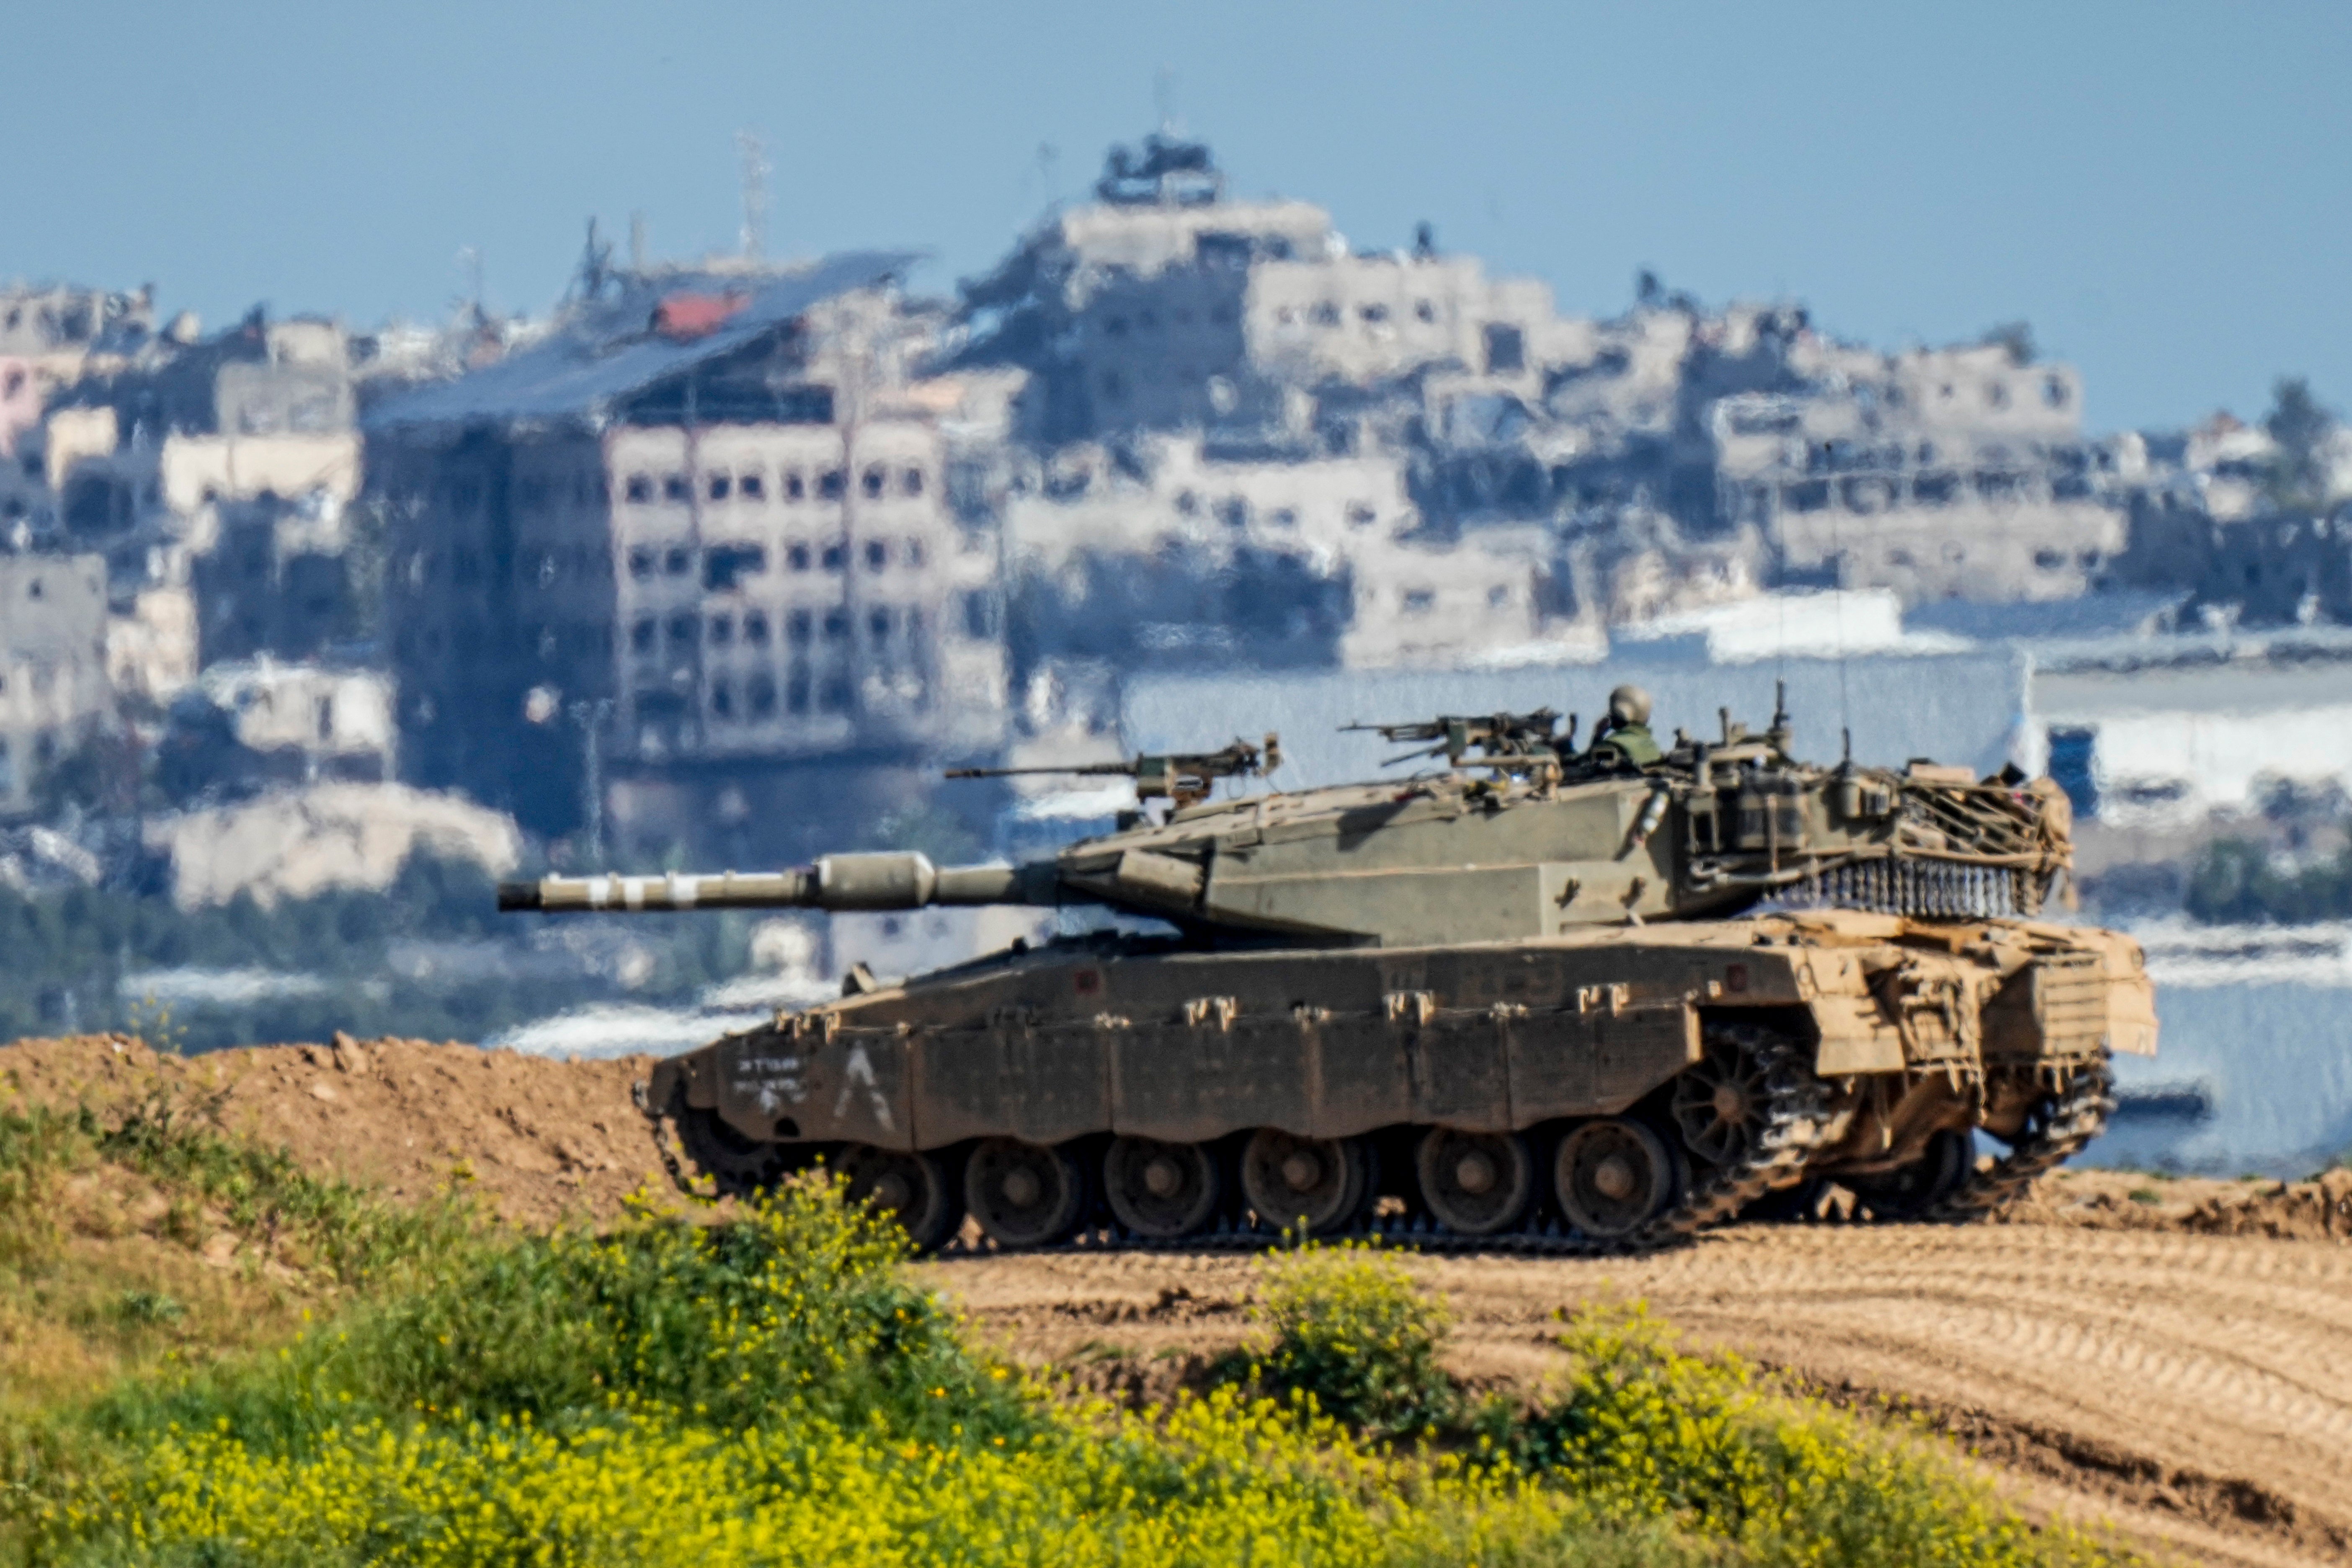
x,y
537,1138
2175,1355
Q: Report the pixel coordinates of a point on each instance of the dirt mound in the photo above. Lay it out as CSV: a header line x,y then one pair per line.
x,y
539,1139
2303,1211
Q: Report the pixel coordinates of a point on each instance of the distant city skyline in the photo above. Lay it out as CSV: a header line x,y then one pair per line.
x,y
2155,188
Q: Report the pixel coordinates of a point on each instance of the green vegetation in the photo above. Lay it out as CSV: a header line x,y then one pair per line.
x,y
153,1240
2236,882
1349,1331
773,1388
2297,476
68,952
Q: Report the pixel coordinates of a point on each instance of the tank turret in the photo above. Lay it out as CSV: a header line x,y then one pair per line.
x,y
1519,836
1527,999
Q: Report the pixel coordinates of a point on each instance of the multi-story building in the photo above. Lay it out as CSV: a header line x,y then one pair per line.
x,y
1162,306
215,477
53,682
247,724
51,335
1771,449
701,531
1952,473
1163,554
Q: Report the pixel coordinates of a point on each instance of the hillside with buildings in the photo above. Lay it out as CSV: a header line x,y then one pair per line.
x,y
722,561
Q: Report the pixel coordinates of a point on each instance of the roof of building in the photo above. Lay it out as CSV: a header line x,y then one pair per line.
x,y
621,347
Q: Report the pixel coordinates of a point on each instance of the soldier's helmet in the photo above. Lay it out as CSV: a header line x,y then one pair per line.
x,y
1628,705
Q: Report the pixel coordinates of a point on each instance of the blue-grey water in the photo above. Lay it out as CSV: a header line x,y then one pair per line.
x,y
2254,1076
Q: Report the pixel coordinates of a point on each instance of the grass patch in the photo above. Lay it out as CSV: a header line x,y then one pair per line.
x,y
155,1239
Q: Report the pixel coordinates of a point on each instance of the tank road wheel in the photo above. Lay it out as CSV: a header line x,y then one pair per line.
x,y
1023,1195
1910,1192
1720,1102
740,1164
1319,1183
1162,1190
1477,1183
1613,1175
917,1190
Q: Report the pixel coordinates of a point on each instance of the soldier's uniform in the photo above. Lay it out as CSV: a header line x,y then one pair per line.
x,y
1624,736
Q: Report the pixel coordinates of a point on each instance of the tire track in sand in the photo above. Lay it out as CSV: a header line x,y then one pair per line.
x,y
2196,1389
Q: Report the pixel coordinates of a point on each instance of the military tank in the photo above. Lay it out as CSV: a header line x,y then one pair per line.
x,y
1539,997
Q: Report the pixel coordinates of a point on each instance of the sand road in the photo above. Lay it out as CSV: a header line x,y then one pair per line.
x,y
2194,1390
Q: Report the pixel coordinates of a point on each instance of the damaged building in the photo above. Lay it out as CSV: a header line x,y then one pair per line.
x,y
1241,438
1942,474
215,477
54,691
699,536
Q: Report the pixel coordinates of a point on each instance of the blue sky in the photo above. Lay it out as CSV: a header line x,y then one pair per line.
x,y
2161,189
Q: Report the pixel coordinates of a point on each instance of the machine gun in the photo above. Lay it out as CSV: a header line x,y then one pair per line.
x,y
1508,742
1183,777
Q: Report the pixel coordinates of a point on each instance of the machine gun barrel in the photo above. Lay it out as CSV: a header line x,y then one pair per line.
x,y
1512,741
839,882
1122,770
1183,777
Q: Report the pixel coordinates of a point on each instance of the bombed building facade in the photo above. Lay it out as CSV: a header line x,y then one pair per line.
x,y
698,535
1393,458
53,682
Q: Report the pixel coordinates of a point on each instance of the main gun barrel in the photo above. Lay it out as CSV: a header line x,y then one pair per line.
x,y
839,882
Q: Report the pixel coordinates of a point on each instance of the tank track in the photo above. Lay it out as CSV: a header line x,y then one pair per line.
x,y
1795,1121
2076,1114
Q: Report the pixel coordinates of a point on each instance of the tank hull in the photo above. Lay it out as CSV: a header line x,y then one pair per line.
x,y
1863,1045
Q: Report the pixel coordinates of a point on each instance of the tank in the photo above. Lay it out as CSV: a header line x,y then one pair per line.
x,y
1533,997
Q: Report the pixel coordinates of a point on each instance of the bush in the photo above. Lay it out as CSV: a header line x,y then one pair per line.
x,y
1646,1431
1351,1330
2236,882
798,1307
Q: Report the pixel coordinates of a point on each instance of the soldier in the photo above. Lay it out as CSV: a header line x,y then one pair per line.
x,y
1624,736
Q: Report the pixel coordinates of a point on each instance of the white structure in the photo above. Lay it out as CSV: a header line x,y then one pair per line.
x,y
1835,623
2168,733
339,722
297,843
